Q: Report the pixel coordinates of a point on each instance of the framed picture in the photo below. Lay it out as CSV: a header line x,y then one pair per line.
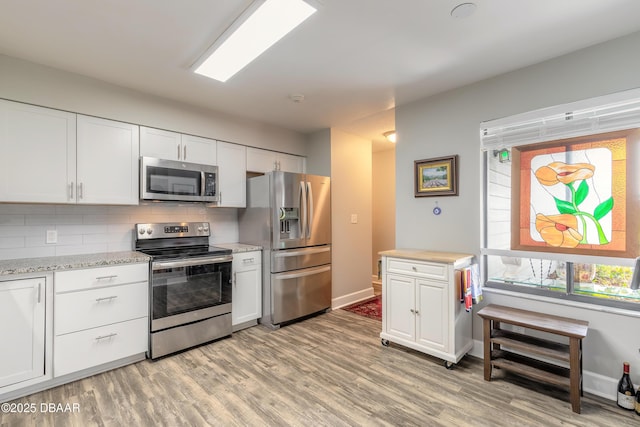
x,y
436,177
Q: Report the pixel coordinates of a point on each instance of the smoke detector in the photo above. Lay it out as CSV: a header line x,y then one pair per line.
x,y
463,10
296,98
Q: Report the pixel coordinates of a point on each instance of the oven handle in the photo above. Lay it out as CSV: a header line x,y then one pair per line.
x,y
161,265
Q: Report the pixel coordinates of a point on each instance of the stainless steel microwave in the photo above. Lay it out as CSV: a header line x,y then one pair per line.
x,y
178,181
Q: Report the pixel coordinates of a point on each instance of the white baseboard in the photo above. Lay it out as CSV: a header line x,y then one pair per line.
x,y
352,298
593,383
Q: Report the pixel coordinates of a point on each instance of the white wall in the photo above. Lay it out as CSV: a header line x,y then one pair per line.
x,y
449,124
319,153
383,204
350,194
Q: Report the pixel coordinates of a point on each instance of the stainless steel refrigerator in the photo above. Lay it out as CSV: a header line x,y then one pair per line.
x,y
289,215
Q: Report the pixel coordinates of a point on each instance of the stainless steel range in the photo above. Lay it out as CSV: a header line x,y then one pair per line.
x,y
190,286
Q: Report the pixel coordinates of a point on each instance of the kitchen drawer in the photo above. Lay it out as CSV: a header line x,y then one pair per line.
x,y
75,280
417,268
81,350
75,311
247,259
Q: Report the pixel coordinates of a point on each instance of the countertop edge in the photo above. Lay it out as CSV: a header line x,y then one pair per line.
x,y
424,255
69,262
19,266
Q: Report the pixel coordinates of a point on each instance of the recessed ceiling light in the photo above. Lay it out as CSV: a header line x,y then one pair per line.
x,y
256,30
463,10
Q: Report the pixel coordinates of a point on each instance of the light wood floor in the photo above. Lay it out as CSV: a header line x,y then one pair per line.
x,y
329,370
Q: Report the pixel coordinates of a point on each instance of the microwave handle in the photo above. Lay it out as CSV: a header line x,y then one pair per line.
x,y
202,186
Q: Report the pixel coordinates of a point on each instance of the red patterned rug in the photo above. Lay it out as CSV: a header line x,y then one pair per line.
x,y
370,308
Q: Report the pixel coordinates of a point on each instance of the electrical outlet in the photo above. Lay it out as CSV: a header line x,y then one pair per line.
x,y
52,236
354,218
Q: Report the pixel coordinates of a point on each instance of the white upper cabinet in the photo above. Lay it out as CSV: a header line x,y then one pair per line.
x,y
232,175
168,145
263,161
52,156
291,163
160,143
107,153
38,146
196,149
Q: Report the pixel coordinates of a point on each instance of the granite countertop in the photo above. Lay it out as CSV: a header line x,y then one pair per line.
x,y
422,255
239,247
68,262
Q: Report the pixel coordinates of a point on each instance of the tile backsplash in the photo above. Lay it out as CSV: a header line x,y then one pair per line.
x,y
90,229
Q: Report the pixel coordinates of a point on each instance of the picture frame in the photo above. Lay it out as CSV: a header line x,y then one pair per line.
x,y
436,177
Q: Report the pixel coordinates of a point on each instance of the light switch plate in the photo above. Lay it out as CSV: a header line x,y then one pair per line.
x,y
354,218
52,236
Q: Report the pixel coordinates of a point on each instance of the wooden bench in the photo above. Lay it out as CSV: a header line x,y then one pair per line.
x,y
527,365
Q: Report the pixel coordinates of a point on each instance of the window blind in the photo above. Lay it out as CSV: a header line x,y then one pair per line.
x,y
607,113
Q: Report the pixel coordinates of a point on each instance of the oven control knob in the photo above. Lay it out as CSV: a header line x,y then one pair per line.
x,y
149,230
199,228
141,231
206,228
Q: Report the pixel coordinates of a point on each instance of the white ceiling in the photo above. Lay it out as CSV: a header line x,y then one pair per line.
x,y
353,60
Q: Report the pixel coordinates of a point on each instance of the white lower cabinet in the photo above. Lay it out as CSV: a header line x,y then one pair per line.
x,y
247,289
96,346
422,309
22,330
101,316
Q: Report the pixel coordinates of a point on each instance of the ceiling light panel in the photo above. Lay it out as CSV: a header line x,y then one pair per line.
x,y
256,30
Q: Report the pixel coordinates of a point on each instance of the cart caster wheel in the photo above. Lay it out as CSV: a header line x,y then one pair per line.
x,y
449,365
384,342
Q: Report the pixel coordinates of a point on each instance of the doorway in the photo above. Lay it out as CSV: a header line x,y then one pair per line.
x,y
383,201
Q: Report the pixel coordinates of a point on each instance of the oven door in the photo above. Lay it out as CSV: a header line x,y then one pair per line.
x,y
171,180
188,290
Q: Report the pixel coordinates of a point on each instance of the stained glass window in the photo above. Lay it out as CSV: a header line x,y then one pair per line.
x,y
572,196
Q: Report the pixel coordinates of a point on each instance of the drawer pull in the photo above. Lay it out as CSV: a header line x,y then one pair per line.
x,y
112,297
105,337
113,276
248,260
414,268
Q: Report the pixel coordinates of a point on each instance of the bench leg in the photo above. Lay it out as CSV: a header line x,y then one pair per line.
x,y
487,348
575,374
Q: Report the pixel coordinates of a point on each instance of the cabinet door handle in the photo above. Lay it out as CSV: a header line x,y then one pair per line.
x,y
184,153
39,292
417,312
80,191
412,311
71,191
414,268
178,147
248,260
235,282
113,276
109,298
104,337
